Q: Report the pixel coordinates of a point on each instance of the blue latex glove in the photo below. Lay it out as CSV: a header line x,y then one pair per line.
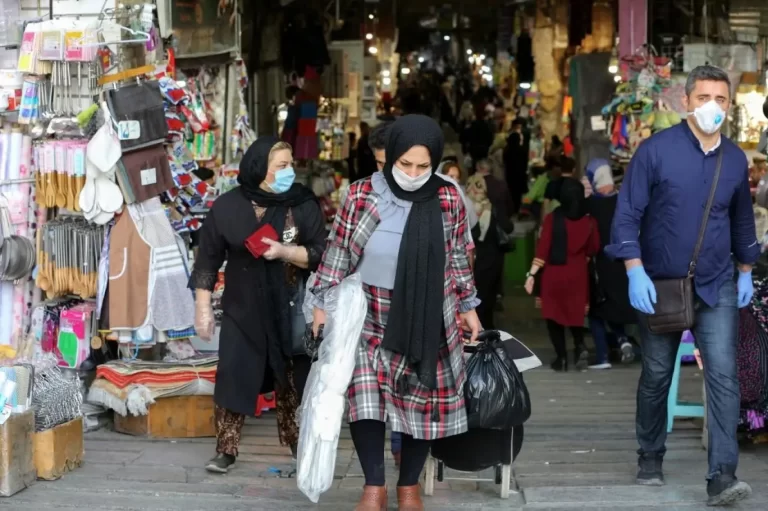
x,y
745,288
642,292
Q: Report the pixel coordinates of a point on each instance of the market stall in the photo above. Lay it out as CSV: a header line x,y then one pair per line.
x,y
104,139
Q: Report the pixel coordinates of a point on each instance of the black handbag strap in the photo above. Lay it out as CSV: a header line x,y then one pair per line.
x,y
700,240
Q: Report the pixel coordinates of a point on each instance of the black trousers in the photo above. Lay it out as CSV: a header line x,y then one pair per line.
x,y
369,439
557,337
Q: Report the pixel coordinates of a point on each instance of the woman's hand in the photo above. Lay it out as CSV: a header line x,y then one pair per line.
x,y
276,250
471,323
318,318
529,283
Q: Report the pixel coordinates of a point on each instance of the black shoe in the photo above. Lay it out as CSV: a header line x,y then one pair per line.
x,y
725,490
581,358
649,470
220,464
560,365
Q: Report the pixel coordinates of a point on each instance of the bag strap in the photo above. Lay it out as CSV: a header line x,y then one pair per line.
x,y
700,240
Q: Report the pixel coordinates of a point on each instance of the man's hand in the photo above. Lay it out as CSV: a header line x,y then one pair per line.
x,y
471,323
642,292
745,287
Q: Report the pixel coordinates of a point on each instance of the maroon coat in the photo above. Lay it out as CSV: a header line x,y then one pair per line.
x,y
565,288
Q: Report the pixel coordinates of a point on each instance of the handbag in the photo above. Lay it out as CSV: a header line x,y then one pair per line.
x,y
506,240
298,322
674,309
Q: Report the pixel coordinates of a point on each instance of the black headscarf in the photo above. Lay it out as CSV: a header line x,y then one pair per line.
x,y
415,321
273,292
573,206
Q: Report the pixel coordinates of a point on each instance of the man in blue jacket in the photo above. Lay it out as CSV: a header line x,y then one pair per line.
x,y
659,212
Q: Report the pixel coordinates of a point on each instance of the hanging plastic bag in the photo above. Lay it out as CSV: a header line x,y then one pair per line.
x,y
322,408
495,393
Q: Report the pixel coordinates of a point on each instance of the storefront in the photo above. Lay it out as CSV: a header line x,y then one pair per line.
x,y
119,131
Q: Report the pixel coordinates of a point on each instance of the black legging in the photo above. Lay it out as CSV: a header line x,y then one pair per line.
x,y
369,439
557,336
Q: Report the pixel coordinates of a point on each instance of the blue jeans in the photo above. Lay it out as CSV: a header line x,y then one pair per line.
x,y
600,336
397,442
715,332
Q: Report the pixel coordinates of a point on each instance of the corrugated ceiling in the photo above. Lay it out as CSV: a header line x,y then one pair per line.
x,y
749,19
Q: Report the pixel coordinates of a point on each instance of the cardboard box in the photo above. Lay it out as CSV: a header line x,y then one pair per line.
x,y
59,450
17,467
172,417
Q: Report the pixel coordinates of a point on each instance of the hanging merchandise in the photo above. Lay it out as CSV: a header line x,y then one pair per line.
x,y
638,108
242,134
17,254
60,173
68,253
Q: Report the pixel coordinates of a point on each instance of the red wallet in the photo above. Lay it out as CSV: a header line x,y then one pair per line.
x,y
254,242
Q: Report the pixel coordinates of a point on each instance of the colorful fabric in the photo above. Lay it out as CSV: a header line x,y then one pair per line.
x,y
412,410
180,334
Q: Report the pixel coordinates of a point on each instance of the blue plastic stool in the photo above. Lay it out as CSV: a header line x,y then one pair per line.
x,y
677,408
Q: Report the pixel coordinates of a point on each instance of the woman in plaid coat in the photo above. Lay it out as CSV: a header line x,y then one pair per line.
x,y
403,229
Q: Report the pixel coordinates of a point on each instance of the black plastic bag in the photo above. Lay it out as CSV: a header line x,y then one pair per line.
x,y
478,449
495,393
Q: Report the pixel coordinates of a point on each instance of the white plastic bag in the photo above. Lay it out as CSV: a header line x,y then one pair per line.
x,y
322,408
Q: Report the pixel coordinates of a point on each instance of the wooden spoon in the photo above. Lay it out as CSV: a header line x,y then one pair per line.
x,y
61,195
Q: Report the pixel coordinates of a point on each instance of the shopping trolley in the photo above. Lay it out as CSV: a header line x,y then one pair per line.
x,y
434,468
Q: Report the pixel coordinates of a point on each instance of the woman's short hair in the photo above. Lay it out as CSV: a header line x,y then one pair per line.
x,y
279,147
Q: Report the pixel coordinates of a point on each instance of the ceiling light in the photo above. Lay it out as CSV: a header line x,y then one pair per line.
x,y
369,36
373,50
421,59
446,38
385,72
405,71
482,56
469,52
617,78
370,16
386,80
471,60
525,85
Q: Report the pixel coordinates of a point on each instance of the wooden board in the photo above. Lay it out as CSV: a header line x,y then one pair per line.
x,y
172,417
59,450
17,467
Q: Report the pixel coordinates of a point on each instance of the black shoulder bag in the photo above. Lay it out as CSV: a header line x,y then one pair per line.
x,y
674,297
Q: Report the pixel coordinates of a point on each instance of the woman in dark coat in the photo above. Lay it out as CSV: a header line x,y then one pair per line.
x,y
569,237
610,300
257,351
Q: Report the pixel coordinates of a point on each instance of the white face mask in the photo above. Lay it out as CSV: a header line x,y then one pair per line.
x,y
709,117
408,183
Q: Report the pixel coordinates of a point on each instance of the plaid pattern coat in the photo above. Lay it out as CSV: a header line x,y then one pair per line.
x,y
383,386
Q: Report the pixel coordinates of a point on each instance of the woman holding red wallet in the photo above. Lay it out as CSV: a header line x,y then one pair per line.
x,y
403,231
271,232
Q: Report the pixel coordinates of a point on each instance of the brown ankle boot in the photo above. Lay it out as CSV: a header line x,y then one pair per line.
x,y
374,498
409,498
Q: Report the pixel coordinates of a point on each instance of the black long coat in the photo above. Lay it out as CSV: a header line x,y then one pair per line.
x,y
612,275
243,348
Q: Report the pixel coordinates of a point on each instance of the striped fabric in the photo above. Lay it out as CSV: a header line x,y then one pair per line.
x,y
373,393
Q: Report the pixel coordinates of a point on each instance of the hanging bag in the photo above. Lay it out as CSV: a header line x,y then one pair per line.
x,y
495,393
674,297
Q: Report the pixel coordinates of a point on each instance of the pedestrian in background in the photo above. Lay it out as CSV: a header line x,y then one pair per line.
x,y
609,303
569,237
670,181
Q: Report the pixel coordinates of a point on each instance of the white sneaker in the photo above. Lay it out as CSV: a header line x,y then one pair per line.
x,y
604,365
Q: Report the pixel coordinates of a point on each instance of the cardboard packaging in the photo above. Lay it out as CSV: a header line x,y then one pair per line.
x,y
59,450
17,467
172,417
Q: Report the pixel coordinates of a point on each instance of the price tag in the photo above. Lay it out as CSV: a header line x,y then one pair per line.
x,y
148,177
128,130
598,123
